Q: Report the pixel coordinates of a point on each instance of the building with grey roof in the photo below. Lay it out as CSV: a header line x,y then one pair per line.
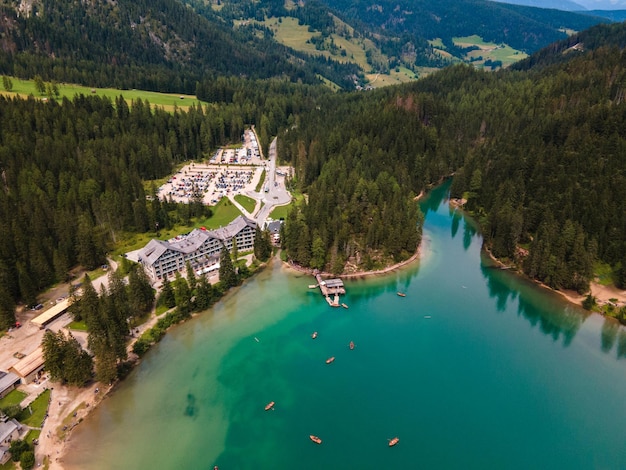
x,y
9,430
8,381
200,247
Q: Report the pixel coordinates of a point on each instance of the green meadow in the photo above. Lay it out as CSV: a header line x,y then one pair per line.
x,y
489,51
167,101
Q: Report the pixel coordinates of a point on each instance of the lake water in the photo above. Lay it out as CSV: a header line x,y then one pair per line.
x,y
473,369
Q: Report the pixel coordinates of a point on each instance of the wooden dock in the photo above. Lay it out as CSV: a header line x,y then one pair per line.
x,y
331,288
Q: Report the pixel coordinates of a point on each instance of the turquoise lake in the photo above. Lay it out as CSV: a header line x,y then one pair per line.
x,y
474,369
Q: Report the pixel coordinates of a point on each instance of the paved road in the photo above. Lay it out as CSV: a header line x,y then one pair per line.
x,y
277,194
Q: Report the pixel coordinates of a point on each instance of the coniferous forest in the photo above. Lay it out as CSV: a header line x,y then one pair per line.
x,y
537,152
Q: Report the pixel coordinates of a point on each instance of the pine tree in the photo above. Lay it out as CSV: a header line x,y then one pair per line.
x,y
182,294
204,293
228,277
167,295
140,292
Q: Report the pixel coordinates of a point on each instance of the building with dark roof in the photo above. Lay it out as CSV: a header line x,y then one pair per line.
x,y
200,247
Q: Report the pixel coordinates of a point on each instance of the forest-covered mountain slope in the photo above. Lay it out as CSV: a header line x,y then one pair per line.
x,y
159,45
524,28
539,155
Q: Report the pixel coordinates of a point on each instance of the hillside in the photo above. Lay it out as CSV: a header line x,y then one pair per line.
x,y
538,154
156,45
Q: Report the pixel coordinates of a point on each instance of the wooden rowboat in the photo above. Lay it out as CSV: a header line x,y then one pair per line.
x,y
315,439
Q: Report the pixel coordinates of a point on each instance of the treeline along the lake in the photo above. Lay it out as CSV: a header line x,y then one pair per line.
x,y
539,155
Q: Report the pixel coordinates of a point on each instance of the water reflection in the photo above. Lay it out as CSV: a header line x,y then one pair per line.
x,y
610,329
558,323
456,220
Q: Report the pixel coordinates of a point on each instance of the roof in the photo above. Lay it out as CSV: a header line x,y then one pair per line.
x,y
153,250
193,241
52,313
334,283
7,428
274,226
29,364
232,229
7,379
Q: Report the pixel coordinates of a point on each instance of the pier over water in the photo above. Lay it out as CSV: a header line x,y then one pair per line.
x,y
330,287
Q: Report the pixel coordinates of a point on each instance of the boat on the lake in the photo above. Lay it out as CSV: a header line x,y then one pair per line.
x,y
269,406
330,359
344,305
315,439
401,294
351,345
394,441
314,335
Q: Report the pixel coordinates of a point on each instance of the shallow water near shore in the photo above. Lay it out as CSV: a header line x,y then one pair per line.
x,y
475,368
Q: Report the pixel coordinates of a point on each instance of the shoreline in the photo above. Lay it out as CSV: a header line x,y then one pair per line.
x,y
602,294
364,274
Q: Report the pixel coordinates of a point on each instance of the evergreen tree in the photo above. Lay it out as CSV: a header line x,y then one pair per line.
x,y
204,293
140,292
7,83
167,295
182,294
228,277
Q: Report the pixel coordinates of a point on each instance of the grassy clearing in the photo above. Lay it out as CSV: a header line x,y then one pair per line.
x,y
10,465
247,202
437,42
167,101
34,414
603,273
489,51
401,75
281,212
32,435
78,326
14,397
287,31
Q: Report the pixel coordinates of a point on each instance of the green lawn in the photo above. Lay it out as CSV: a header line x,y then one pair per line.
x,y
261,181
247,202
78,326
14,397
281,212
39,408
165,100
32,435
604,273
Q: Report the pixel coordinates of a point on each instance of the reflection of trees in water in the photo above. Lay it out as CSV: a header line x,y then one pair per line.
x,y
468,233
610,329
556,323
456,220
621,343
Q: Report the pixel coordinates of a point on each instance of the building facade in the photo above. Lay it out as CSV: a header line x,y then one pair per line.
x,y
202,248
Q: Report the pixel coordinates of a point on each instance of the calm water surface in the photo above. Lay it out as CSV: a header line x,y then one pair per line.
x,y
473,369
